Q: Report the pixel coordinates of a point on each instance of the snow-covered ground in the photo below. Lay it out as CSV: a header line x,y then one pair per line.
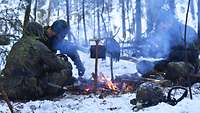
x,y
91,103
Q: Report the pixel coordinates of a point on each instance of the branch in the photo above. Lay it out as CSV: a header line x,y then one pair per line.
x,y
5,97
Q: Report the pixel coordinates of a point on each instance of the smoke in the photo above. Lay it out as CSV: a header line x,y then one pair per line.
x,y
168,32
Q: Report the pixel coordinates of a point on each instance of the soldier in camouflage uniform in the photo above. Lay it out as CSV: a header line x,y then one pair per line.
x,y
31,65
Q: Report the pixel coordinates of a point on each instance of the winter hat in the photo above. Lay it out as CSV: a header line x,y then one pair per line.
x,y
59,25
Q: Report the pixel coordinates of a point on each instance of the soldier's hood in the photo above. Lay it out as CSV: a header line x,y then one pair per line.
x,y
35,30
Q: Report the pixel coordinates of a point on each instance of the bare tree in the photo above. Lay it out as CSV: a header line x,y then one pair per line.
x,y
192,9
98,19
138,19
84,25
49,12
27,13
172,6
198,19
123,20
149,16
35,10
68,18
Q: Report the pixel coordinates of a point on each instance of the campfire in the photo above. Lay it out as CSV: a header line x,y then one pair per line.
x,y
105,86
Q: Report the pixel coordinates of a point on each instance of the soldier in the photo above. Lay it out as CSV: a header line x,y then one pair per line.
x,y
31,65
55,41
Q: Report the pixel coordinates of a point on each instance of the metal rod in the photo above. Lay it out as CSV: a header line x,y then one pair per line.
x,y
96,65
185,45
111,68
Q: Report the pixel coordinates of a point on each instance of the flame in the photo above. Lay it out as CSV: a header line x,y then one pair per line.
x,y
111,86
108,83
104,84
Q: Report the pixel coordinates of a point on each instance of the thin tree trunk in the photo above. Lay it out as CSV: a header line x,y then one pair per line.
x,y
133,21
185,45
104,24
58,13
198,19
27,14
98,20
192,9
35,10
123,20
68,19
94,30
138,19
149,16
49,13
78,21
128,18
84,25
109,24
172,6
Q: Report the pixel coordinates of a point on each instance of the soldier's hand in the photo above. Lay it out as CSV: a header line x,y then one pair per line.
x,y
81,72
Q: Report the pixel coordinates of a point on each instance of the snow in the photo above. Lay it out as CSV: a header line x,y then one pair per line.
x,y
111,104
119,68
92,103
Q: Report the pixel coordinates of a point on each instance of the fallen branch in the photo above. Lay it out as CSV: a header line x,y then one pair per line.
x,y
5,97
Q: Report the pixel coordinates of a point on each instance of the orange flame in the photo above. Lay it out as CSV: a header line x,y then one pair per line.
x,y
108,83
111,86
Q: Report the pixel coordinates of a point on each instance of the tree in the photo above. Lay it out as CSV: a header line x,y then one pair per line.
x,y
27,13
198,19
172,6
68,18
98,19
149,16
123,20
49,12
138,19
35,10
84,24
192,9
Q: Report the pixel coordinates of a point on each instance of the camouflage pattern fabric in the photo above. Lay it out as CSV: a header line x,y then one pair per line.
x,y
30,65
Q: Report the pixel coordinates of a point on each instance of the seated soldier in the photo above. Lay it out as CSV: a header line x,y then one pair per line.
x,y
31,66
56,41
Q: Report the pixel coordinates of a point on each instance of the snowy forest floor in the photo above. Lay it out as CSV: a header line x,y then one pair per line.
x,y
92,103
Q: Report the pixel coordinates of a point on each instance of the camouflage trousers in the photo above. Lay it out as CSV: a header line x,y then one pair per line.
x,y
32,88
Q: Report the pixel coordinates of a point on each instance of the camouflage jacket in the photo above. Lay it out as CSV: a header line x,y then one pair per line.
x,y
30,57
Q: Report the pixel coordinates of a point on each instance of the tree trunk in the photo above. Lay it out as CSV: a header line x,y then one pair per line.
x,y
35,10
98,20
138,19
78,22
199,19
68,19
27,14
94,29
128,18
84,25
123,20
172,6
192,9
104,24
149,16
49,13
109,20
